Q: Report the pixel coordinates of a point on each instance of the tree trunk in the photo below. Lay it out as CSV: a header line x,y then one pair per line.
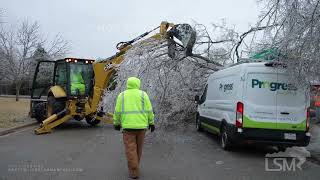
x,y
17,91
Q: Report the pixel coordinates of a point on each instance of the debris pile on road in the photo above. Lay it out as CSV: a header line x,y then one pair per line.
x,y
170,83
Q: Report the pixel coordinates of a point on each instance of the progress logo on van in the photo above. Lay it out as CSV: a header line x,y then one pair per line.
x,y
226,87
273,86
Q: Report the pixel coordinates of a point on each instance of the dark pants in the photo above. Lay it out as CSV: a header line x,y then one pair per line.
x,y
133,142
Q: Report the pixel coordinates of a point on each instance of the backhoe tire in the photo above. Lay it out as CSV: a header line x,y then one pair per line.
x,y
90,120
77,117
40,112
57,105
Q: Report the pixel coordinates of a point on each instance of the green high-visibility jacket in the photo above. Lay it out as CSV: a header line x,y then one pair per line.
x,y
133,107
77,82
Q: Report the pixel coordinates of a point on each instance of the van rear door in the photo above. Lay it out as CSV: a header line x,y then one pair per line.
x,y
291,105
260,104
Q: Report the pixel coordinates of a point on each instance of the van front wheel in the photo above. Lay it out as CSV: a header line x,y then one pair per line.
x,y
225,138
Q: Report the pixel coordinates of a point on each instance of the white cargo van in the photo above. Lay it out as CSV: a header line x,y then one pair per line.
x,y
254,103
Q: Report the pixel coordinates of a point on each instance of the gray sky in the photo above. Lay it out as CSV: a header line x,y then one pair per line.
x,y
94,27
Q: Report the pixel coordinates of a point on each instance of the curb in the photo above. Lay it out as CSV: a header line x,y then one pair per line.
x,y
14,129
14,96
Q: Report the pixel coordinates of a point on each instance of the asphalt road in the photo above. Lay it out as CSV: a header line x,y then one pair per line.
x,y
78,151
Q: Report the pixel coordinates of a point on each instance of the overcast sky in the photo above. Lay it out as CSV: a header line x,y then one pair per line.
x,y
94,27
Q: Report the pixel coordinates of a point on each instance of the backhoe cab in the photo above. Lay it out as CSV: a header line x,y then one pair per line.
x,y
58,83
73,87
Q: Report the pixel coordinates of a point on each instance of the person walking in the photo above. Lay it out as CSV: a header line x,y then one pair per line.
x,y
133,113
77,83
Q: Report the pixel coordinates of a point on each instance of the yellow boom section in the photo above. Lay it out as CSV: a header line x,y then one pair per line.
x,y
104,70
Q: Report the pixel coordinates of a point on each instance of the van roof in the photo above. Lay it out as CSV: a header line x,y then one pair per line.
x,y
239,67
256,64
251,64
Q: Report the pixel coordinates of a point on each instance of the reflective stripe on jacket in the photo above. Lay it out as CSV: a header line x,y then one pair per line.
x,y
77,82
133,107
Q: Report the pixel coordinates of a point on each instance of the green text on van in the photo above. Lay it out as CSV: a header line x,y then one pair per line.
x,y
273,86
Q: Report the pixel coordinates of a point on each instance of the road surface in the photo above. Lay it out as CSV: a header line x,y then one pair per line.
x,y
78,151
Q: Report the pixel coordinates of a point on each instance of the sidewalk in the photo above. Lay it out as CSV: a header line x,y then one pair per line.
x,y
14,96
314,146
4,131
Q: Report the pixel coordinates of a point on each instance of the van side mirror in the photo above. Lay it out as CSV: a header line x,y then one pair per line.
x,y
196,99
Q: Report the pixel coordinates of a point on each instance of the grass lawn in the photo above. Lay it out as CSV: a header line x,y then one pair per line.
x,y
13,113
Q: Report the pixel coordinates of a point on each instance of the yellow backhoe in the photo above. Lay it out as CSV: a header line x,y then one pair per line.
x,y
73,87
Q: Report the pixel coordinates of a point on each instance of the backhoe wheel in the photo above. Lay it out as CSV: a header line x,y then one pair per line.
x,y
77,117
92,121
40,112
225,138
55,106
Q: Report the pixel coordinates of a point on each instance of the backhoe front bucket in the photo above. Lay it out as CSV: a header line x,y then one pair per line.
x,y
56,119
186,34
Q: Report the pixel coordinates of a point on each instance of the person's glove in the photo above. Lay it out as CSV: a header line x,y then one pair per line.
x,y
152,128
117,127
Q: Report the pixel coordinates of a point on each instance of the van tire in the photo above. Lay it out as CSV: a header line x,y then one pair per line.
x,y
198,124
225,141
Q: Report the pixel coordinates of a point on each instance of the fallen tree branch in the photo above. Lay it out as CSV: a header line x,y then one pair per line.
x,y
254,29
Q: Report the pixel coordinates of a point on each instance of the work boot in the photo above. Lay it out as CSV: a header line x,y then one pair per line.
x,y
134,174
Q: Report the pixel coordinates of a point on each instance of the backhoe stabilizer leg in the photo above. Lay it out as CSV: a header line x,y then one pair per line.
x,y
50,123
49,120
106,119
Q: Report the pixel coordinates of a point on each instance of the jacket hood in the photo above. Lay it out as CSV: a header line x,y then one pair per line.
x,y
133,83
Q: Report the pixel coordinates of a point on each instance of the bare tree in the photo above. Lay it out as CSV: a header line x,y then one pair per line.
x,y
17,47
296,34
57,47
223,45
1,15
244,35
215,45
1,22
